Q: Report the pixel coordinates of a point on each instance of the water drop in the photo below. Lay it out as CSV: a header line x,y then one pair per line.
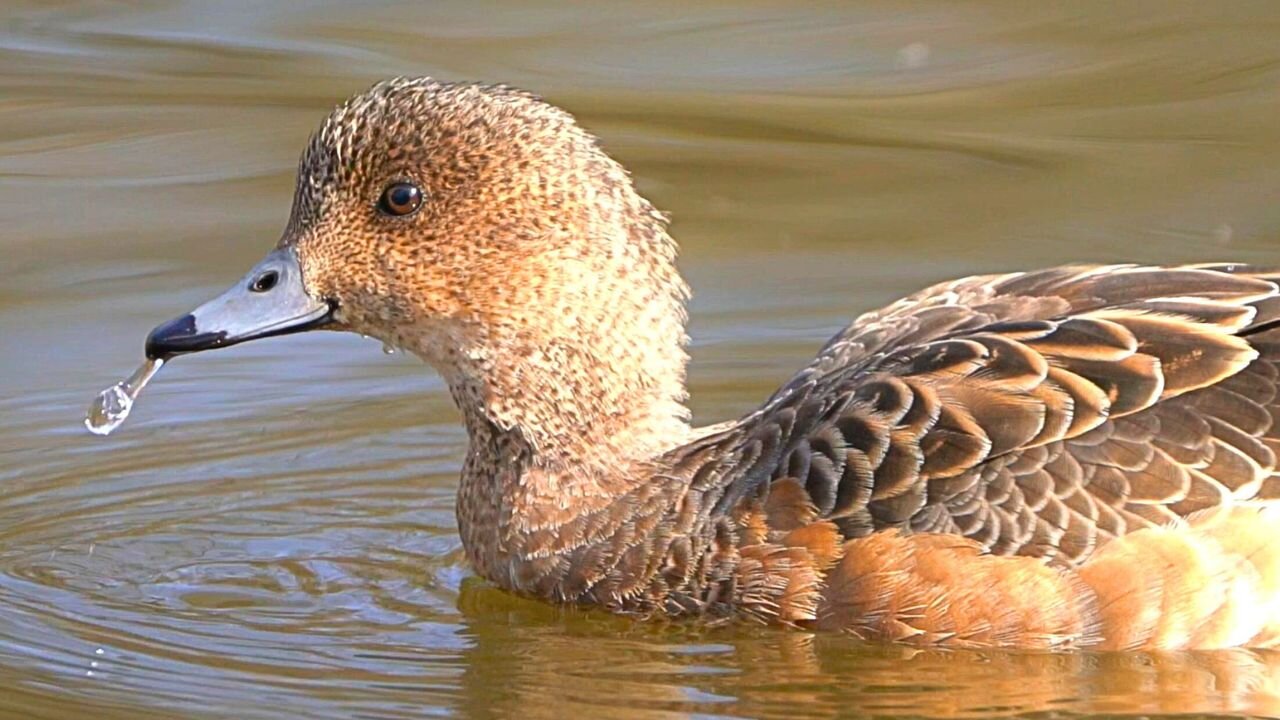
x,y
113,405
388,349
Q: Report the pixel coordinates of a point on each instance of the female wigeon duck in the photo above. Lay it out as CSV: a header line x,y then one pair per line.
x,y
1073,457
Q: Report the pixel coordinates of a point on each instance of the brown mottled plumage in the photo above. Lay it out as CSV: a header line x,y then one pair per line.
x,y
1063,458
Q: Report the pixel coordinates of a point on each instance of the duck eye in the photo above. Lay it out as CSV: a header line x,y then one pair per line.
x,y
400,199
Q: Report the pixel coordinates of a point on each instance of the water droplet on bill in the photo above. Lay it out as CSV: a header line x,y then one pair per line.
x,y
113,405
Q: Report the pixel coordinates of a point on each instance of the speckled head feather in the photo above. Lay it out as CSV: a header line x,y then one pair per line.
x,y
531,262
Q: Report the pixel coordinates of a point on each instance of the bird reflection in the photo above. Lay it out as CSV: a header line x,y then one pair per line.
x,y
532,660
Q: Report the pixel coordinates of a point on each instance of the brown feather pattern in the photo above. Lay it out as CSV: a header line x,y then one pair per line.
x,y
1068,457
1042,415
1017,460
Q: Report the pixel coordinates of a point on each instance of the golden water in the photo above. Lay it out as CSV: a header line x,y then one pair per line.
x,y
272,534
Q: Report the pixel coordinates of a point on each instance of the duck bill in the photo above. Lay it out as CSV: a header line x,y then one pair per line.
x,y
269,301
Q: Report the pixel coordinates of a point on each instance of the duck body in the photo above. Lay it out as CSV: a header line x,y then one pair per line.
x,y
1077,457
1064,458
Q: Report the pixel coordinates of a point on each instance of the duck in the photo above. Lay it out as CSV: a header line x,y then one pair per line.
x,y
1079,457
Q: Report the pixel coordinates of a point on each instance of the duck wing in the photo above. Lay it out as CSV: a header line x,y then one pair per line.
x,y
1040,413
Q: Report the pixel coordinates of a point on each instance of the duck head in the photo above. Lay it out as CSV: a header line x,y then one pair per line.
x,y
483,230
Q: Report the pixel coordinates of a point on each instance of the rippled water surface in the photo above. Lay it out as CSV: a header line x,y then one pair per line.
x,y
272,534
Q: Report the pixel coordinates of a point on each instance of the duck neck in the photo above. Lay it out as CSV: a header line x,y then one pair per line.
x,y
587,370
579,407
559,430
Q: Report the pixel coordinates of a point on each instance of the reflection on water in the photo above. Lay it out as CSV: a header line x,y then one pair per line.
x,y
272,535
599,666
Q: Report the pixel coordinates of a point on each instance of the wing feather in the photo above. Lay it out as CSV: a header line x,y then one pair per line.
x,y
1039,413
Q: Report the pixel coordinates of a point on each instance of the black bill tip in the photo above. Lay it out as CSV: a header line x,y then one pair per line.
x,y
180,336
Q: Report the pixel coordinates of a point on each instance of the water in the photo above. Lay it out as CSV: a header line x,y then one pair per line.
x,y
273,536
112,406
